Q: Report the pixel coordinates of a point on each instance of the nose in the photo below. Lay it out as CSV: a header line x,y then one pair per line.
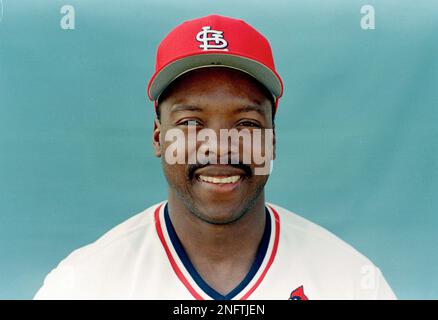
x,y
226,145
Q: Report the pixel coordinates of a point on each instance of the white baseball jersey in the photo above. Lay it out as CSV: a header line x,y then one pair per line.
x,y
142,258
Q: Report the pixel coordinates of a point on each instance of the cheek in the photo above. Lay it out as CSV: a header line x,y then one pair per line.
x,y
175,175
179,146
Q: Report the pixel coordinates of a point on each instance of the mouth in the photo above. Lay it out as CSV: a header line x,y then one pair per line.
x,y
219,178
219,184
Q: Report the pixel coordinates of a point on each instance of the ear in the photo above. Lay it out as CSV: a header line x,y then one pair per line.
x,y
274,148
156,138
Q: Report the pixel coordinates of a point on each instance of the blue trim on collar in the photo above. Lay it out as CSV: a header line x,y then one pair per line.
x,y
261,253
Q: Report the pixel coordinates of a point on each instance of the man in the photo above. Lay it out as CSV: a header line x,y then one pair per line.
x,y
216,237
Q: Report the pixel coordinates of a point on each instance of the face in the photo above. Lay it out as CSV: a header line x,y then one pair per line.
x,y
214,99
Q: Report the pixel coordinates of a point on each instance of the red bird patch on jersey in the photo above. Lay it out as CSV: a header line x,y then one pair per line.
x,y
298,294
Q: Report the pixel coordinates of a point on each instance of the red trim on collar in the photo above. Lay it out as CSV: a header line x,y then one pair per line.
x,y
186,282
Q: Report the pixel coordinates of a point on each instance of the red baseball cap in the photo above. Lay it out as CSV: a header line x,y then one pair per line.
x,y
214,41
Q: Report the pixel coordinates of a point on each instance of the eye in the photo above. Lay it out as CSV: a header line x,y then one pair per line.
x,y
189,122
249,123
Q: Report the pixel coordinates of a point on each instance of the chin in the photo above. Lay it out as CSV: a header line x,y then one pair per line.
x,y
221,213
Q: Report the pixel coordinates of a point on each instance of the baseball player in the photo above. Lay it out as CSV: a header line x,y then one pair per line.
x,y
215,237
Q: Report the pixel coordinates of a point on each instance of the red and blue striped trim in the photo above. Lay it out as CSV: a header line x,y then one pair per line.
x,y
191,279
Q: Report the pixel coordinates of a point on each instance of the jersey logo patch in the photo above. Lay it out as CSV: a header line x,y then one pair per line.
x,y
211,39
298,294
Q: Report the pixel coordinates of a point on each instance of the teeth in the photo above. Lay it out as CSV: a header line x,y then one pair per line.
x,y
231,179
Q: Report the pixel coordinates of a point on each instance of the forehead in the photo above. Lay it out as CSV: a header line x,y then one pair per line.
x,y
216,83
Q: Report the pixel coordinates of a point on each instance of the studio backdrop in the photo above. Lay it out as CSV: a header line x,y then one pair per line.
x,y
356,129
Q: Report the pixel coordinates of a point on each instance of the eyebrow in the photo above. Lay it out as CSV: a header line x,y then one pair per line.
x,y
250,108
245,109
184,107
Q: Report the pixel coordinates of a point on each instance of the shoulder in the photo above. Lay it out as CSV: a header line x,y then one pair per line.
x,y
125,232
111,254
309,234
315,253
330,264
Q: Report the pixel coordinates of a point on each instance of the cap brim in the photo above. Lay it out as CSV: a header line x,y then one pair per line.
x,y
162,78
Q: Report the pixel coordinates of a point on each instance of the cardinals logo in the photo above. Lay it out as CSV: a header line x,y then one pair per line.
x,y
207,36
298,294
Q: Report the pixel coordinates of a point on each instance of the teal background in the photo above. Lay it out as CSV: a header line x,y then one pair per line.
x,y
356,129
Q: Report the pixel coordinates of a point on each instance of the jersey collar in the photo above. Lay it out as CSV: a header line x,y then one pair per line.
x,y
191,279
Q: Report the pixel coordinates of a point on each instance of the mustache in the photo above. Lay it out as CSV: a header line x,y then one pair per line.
x,y
193,167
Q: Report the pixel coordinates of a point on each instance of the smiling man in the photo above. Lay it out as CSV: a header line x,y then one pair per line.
x,y
216,92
